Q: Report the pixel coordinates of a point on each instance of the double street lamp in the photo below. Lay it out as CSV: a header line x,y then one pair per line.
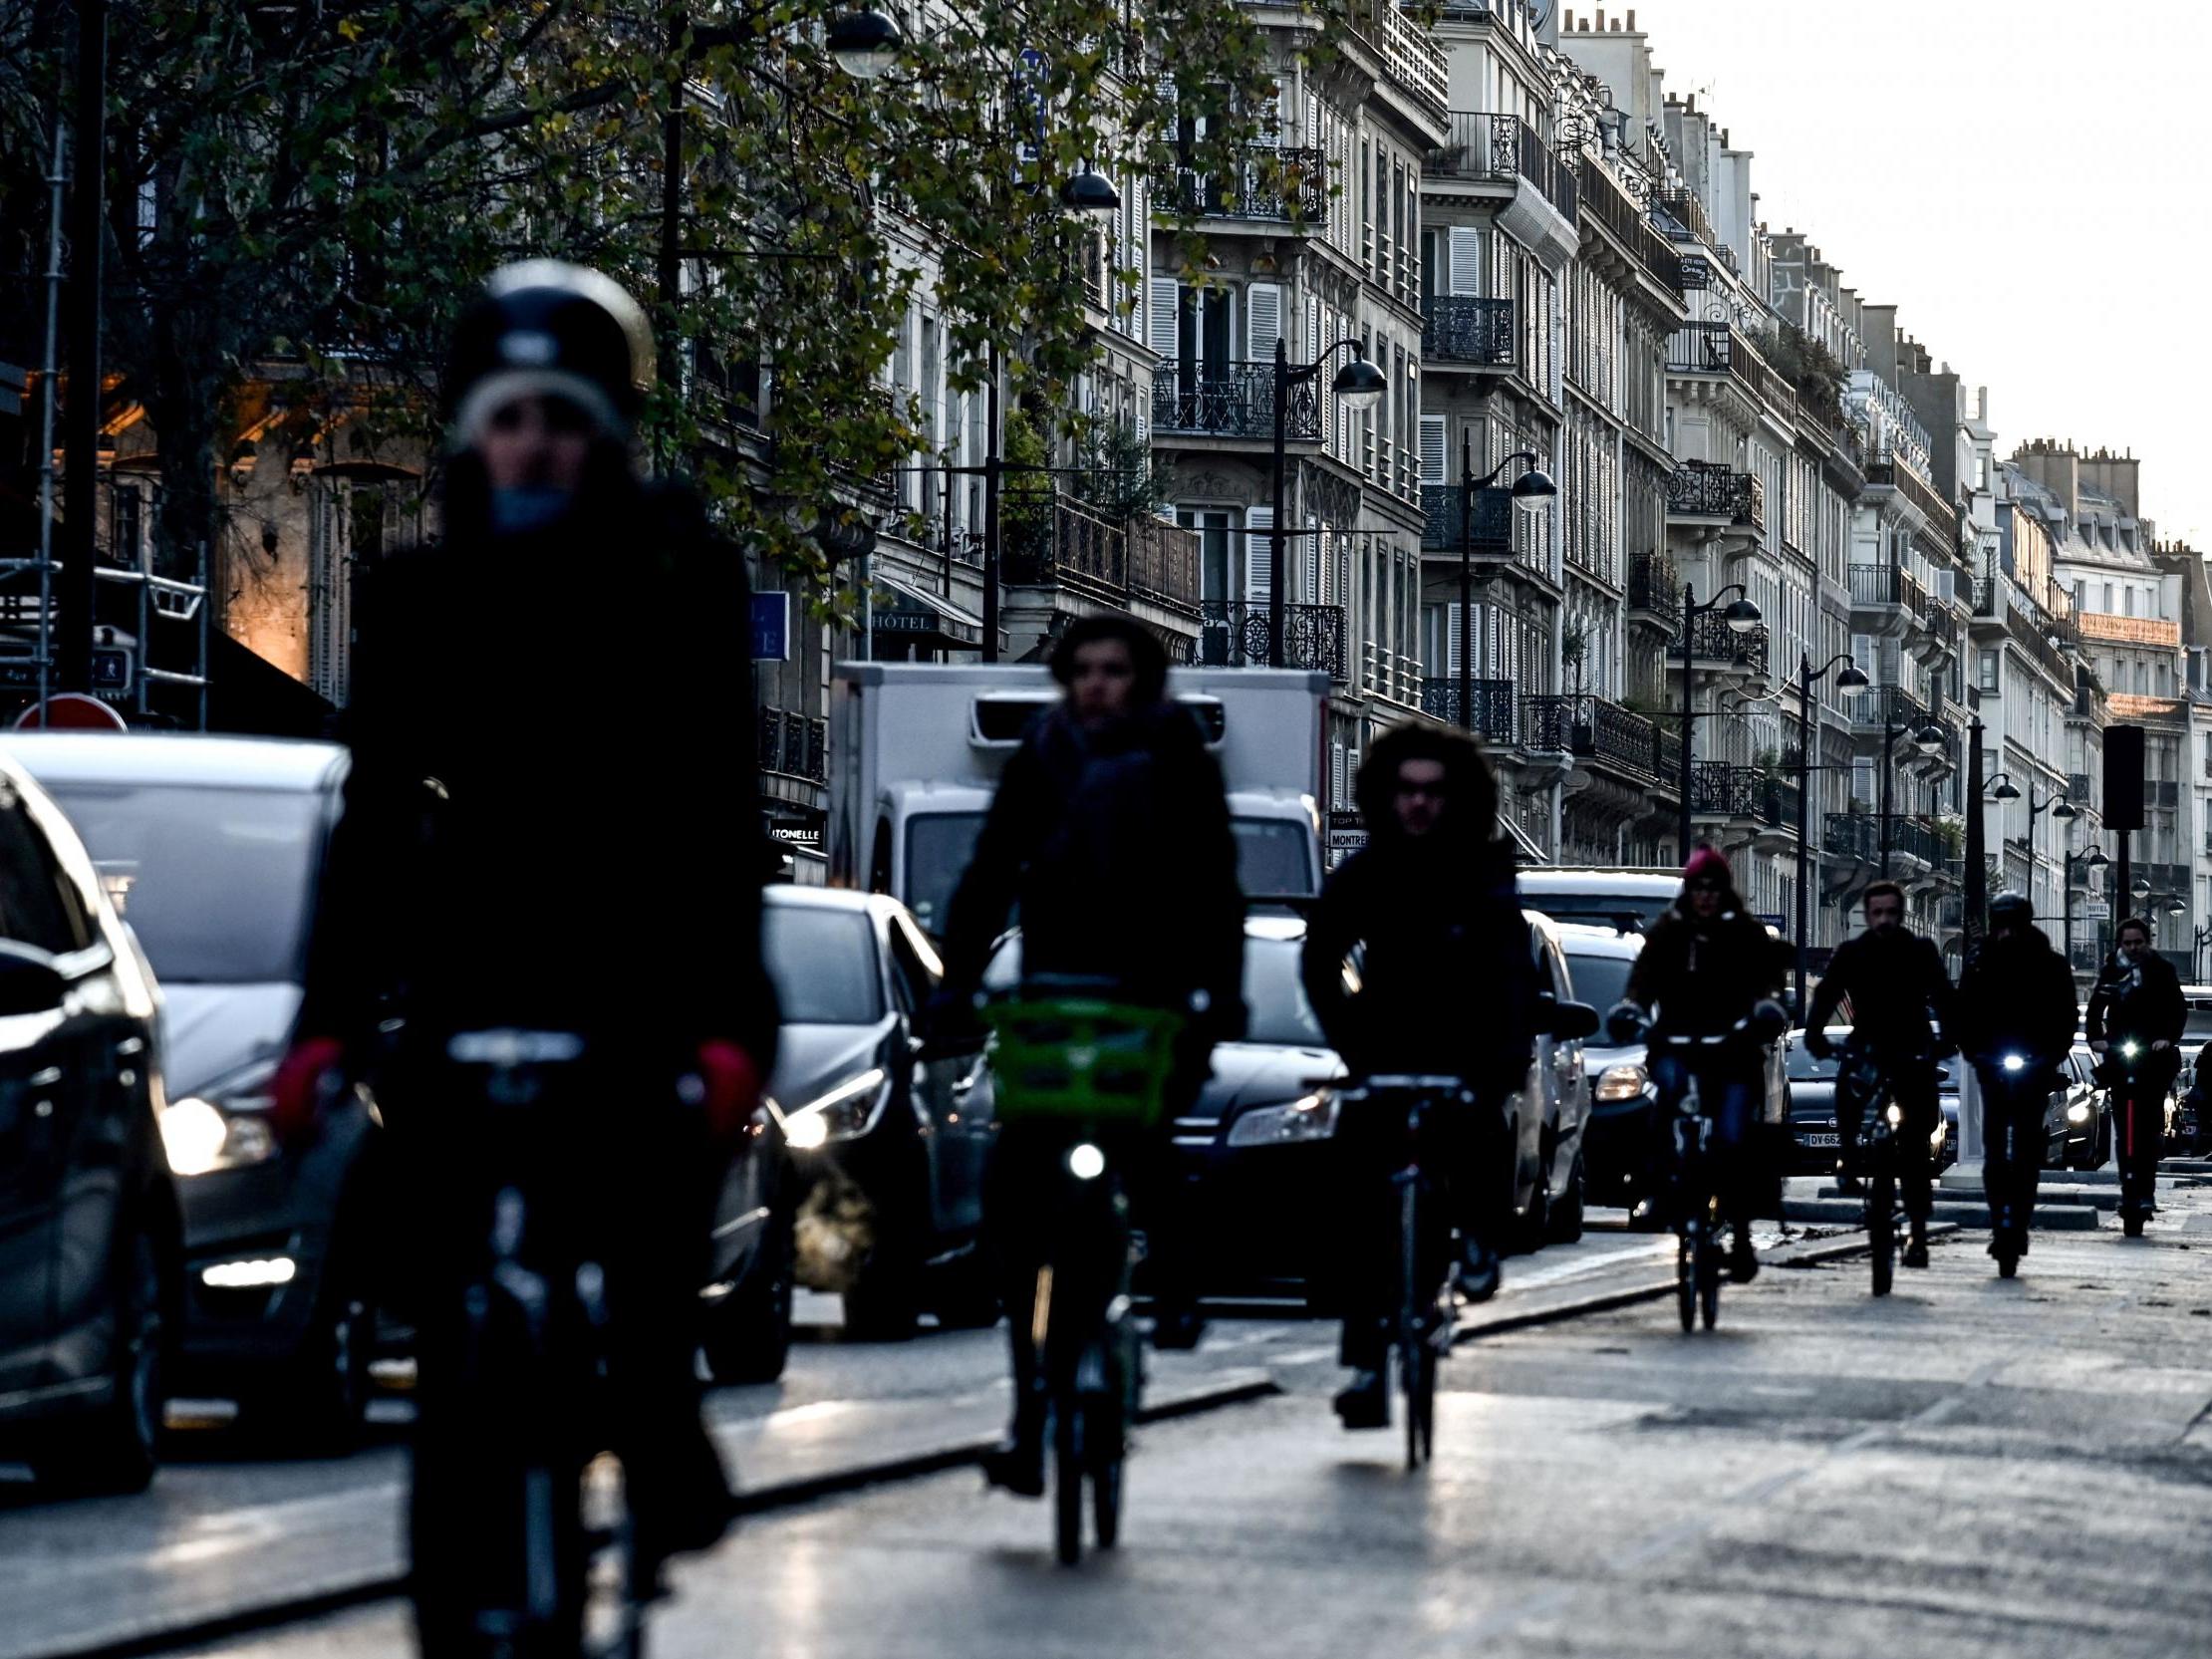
x,y
1358,384
1848,678
1927,742
1742,617
1529,492
2093,859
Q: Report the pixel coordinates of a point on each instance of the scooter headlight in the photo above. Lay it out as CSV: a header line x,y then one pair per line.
x,y
2129,1049
1896,1115
2013,1062
1085,1161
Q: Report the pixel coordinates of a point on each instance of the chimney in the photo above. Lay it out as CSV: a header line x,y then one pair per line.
x,y
1631,18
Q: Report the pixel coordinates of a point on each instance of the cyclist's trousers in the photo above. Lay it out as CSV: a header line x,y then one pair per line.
x,y
2139,1126
1916,1101
1468,1144
2013,1108
1732,1096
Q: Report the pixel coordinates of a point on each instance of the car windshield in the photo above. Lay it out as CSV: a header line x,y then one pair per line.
x,y
823,961
1802,1064
1275,999
1274,858
939,847
214,881
1599,981
1606,909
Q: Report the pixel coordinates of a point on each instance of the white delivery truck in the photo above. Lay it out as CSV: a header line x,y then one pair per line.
x,y
916,750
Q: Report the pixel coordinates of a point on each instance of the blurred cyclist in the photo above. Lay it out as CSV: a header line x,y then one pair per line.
x,y
510,826
1445,985
1110,832
1707,965
2138,1008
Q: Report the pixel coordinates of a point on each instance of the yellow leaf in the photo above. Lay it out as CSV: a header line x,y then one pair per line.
x,y
348,28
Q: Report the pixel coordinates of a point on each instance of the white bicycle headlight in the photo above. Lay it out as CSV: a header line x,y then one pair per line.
x,y
2129,1049
1310,1118
1897,1116
2013,1062
1085,1161
1621,1082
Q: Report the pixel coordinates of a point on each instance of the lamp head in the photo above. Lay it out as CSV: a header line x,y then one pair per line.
x,y
2140,886
2064,809
1929,739
2002,789
1359,384
1092,195
864,43
2095,858
1742,616
1850,678
1533,489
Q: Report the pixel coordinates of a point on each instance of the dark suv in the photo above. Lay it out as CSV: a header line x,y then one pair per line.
x,y
89,1235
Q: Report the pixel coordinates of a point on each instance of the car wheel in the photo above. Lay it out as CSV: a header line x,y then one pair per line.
x,y
747,1335
114,1449
1525,1235
1566,1211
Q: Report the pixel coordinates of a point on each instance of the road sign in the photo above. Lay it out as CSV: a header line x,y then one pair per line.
x,y
71,712
1347,833
2094,910
110,668
771,628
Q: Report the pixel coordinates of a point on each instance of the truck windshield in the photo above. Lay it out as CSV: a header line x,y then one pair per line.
x,y
939,846
1274,858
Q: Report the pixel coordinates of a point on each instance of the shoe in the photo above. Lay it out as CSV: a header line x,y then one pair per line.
x,y
1366,1404
1851,1184
1017,1465
1743,1261
1477,1274
1916,1251
1177,1330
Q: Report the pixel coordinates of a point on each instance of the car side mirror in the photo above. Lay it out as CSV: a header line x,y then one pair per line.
x,y
1573,1022
29,981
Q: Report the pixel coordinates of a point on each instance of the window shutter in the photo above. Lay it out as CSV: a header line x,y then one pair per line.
x,y
1433,460
1466,274
1264,317
1259,550
1452,638
1336,774
1163,315
1310,584
1351,765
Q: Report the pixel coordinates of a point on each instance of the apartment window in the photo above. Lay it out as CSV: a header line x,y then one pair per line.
x,y
1988,676
1215,562
2108,599
2127,601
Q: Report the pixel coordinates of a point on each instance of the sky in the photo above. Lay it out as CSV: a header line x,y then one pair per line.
x,y
2029,181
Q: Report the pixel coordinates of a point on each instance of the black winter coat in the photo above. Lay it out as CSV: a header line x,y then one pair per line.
x,y
1896,981
1116,845
552,816
1704,976
2143,1002
2015,995
1447,980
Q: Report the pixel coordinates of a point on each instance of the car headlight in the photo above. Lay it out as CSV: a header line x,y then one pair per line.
x,y
223,1126
1623,1082
845,1113
2078,1112
1310,1118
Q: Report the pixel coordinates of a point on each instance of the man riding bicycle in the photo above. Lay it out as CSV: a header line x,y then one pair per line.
x,y
1710,969
1446,985
1110,831
1896,981
480,880
2139,1011
2015,1015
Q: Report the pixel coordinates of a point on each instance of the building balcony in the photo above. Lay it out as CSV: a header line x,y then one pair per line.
x,y
1595,728
1705,492
1713,644
1232,400
1493,707
2137,631
1234,634
1409,54
2128,706
796,745
1069,545
1488,530
1275,187
1743,795
1603,199
1858,835
2077,784
1504,150
1715,349
1885,471
1654,592
1463,331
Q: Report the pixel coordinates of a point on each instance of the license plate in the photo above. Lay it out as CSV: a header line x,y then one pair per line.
x,y
1820,1140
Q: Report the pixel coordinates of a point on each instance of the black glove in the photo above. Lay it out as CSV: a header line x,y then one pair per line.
x,y
1769,1020
1817,1045
1625,1023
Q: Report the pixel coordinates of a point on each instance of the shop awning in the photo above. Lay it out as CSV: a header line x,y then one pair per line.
x,y
904,612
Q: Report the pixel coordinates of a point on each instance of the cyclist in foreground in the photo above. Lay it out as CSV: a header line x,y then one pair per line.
x,y
2136,1015
474,884
2015,1016
1446,985
1899,998
1710,969
1110,830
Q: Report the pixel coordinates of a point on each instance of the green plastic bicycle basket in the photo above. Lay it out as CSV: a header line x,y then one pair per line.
x,y
1081,1058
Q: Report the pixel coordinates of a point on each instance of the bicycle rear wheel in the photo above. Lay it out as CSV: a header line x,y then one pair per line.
x,y
1106,1481
1067,1483
1882,1231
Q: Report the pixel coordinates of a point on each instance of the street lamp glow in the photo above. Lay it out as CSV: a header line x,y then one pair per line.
x,y
865,44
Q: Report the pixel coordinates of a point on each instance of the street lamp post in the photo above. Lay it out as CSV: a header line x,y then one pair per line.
x,y
1742,617
1358,384
1850,678
1928,741
1529,492
2093,859
2001,788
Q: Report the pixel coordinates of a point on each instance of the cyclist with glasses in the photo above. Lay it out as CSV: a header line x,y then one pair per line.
x,y
1418,962
1110,832
1901,1014
1710,969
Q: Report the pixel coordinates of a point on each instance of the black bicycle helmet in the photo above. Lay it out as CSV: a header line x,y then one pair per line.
x,y
552,330
2010,910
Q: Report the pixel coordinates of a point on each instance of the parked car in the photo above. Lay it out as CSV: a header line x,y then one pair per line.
x,y
1552,1111
1625,900
210,849
888,1136
2086,1140
1617,1148
1818,1141
89,1236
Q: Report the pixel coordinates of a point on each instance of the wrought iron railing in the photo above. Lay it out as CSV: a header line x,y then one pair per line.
x,y
2034,637
1884,471
1711,639
1409,53
1706,489
1888,705
1721,790
1493,707
1593,727
1600,196
795,744
1163,561
1234,634
1277,184
1985,596
1064,541
2078,783
1873,583
1654,587
1489,527
1459,328
1484,146
1232,400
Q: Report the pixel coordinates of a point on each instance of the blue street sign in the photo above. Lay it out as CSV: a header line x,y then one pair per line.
x,y
771,628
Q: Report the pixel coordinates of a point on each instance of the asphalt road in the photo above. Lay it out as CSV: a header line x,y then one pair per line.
x,y
1970,1467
